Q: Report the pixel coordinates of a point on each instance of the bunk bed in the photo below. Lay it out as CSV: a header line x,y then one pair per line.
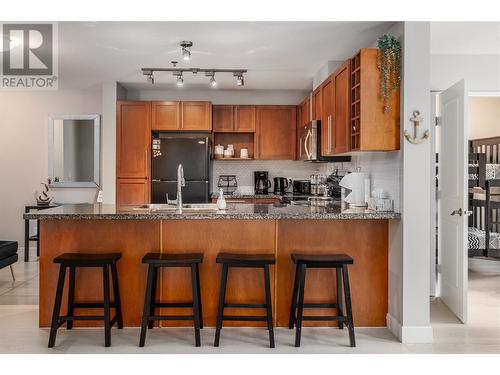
x,y
484,197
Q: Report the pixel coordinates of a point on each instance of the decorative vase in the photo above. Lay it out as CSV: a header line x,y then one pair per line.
x,y
44,196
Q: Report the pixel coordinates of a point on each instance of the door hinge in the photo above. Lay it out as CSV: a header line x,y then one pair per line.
x,y
437,120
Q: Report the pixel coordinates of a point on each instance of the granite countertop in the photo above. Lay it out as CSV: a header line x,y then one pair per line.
x,y
233,211
246,196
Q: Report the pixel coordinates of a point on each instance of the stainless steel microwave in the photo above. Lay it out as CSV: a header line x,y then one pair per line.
x,y
310,144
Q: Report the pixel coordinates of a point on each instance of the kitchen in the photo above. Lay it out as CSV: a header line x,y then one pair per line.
x,y
170,155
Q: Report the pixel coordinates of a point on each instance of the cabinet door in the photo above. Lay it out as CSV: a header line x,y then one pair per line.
x,y
196,116
132,191
306,111
223,118
276,132
133,133
245,118
341,110
165,116
316,104
326,117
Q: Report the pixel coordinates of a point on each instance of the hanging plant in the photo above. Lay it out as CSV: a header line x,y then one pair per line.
x,y
389,66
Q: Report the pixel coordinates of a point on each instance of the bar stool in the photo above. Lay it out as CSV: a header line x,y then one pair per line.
x,y
155,261
73,261
337,261
245,261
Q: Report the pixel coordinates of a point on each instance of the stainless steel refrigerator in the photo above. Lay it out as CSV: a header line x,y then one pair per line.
x,y
192,150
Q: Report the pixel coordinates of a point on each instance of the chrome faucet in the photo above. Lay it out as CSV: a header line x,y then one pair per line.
x,y
180,183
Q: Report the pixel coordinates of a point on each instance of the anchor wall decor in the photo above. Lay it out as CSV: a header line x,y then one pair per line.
x,y
416,119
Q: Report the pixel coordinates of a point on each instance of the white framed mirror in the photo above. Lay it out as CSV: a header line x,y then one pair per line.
x,y
74,150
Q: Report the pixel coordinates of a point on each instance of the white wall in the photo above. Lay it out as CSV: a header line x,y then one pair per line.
x,y
481,72
24,149
279,97
484,117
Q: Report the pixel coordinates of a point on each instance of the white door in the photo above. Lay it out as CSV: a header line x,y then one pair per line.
x,y
453,159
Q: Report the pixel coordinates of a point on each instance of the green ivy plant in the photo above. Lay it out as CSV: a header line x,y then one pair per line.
x,y
389,66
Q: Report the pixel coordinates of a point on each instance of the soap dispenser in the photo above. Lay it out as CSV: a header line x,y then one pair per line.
x,y
221,201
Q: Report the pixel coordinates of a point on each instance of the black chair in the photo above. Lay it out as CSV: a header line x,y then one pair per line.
x,y
155,261
8,255
337,261
245,261
73,261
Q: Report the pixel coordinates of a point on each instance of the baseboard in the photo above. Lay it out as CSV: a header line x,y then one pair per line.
x,y
409,334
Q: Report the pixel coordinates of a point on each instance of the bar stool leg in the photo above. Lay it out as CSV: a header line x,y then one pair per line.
x,y
196,307
339,296
153,296
57,306
107,307
71,296
116,296
222,298
147,305
300,307
199,295
269,306
293,307
347,295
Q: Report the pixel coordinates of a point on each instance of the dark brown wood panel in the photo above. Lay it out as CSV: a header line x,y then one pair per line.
x,y
166,115
327,108
196,116
131,238
245,117
364,240
132,191
341,118
223,118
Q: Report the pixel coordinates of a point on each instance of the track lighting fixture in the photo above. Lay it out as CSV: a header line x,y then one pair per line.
x,y
186,49
178,73
151,78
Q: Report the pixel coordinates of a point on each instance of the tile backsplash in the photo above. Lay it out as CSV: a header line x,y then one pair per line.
x,y
382,167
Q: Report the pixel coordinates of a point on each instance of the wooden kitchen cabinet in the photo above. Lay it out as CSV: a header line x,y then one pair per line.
x,y
132,191
316,104
196,116
234,118
305,111
327,108
276,132
340,127
133,134
244,118
165,116
370,128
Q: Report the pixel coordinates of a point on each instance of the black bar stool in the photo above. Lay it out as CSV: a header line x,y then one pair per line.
x,y
155,261
245,261
337,261
74,260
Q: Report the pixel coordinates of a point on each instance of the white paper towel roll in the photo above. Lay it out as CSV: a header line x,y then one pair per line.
x,y
356,183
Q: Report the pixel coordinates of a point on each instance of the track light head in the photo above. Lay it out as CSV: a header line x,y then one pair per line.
x,y
186,49
180,80
151,79
239,78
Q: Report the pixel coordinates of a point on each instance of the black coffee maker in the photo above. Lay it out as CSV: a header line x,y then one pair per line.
x,y
280,185
262,183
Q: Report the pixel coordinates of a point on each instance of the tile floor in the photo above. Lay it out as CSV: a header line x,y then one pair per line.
x,y
20,332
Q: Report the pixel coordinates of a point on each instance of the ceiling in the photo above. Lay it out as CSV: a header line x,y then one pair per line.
x,y
278,55
465,38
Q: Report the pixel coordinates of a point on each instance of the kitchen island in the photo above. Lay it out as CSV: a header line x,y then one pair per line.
x,y
241,228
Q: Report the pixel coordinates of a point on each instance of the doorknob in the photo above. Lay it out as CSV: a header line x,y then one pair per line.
x,y
458,212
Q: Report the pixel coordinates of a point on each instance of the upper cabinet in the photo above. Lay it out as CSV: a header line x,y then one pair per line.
x,y
370,128
166,115
234,118
196,116
182,116
276,132
327,108
305,111
316,104
340,135
133,133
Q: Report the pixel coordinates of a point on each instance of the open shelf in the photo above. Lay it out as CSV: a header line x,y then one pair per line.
x,y
238,140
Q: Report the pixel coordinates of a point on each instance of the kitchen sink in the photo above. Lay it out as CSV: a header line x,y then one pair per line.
x,y
186,208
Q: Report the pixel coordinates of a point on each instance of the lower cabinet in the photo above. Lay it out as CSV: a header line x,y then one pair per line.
x,y
132,191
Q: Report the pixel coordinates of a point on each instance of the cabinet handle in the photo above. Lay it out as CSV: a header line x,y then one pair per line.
x,y
331,134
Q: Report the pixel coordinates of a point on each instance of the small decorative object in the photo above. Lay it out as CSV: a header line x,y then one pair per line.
x,y
228,183
44,196
219,151
244,153
389,65
221,201
227,154
156,147
380,201
416,119
231,149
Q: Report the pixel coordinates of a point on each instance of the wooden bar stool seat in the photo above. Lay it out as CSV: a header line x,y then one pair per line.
x,y
340,263
158,260
245,261
72,261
